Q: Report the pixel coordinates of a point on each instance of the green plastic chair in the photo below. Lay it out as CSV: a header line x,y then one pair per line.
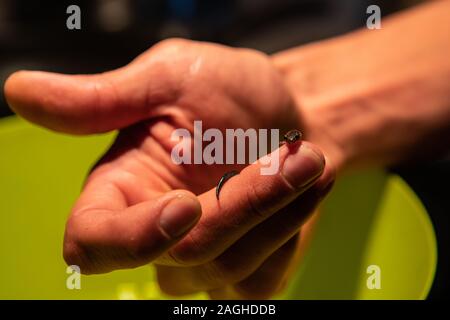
x,y
370,219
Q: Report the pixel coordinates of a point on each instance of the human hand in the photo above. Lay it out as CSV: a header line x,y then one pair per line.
x,y
137,206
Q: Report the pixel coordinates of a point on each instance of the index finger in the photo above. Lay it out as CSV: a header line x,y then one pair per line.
x,y
245,201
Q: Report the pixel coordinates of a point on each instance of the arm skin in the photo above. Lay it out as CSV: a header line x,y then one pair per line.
x,y
377,97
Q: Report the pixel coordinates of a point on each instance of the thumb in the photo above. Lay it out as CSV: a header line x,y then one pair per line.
x,y
102,240
85,104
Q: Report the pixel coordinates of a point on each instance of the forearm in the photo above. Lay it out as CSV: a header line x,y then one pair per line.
x,y
377,96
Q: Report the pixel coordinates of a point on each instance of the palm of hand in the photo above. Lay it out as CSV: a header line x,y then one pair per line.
x,y
118,220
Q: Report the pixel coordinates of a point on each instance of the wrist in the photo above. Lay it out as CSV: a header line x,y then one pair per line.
x,y
321,84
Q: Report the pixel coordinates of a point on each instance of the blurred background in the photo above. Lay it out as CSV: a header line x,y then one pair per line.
x,y
33,35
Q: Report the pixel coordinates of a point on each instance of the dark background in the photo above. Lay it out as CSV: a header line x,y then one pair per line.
x,y
33,35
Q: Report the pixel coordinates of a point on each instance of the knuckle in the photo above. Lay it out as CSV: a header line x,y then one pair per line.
x,y
226,271
141,250
74,248
74,254
254,54
190,252
168,288
166,280
171,45
73,233
262,290
71,254
256,203
143,245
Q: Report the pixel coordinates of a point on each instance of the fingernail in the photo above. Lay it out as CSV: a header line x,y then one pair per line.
x,y
179,215
303,166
